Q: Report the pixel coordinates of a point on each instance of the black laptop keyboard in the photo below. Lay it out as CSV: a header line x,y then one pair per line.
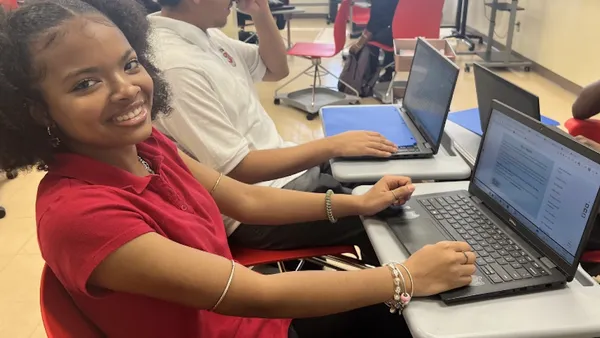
x,y
499,257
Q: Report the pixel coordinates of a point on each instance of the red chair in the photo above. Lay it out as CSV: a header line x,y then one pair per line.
x,y
315,52
414,19
9,4
360,15
252,257
588,128
60,315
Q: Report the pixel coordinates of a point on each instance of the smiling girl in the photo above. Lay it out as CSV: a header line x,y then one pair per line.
x,y
132,227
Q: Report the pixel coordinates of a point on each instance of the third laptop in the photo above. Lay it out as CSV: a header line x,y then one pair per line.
x,y
528,213
490,86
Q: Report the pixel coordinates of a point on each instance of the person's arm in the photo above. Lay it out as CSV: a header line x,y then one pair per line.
x,y
95,247
154,266
252,204
283,162
201,125
588,102
271,49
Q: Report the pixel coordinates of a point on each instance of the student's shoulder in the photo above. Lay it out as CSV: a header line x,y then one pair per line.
x,y
170,51
61,199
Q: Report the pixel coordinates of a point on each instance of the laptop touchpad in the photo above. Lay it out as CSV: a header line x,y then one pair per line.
x,y
416,233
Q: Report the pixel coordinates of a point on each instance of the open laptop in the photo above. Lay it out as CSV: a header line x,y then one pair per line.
x,y
418,124
490,86
528,213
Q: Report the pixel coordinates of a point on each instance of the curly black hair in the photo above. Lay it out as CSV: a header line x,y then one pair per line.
x,y
24,140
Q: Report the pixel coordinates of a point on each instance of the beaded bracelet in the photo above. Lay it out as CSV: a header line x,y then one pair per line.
x,y
401,298
328,209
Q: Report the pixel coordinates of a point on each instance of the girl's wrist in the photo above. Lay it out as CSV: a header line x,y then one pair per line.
x,y
343,205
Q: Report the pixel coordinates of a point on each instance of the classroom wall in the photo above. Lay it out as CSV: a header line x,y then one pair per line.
x,y
561,35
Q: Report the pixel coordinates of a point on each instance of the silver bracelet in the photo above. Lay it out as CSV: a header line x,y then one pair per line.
x,y
399,284
226,286
412,284
328,209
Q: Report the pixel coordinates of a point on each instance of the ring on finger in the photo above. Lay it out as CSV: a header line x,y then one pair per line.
x,y
395,197
466,257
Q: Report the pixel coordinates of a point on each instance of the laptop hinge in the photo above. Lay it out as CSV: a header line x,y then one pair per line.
x,y
547,262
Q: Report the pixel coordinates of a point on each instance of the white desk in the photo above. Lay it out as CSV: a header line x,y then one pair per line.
x,y
570,312
446,165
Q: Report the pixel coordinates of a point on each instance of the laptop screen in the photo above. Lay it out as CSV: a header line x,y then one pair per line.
x,y
429,91
490,86
547,187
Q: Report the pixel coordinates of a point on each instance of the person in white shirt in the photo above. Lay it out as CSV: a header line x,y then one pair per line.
x,y
219,120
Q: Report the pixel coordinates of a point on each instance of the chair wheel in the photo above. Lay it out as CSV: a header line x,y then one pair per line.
x,y
2,212
311,117
527,69
276,101
467,68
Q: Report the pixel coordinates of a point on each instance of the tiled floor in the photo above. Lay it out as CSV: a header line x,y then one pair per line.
x,y
20,261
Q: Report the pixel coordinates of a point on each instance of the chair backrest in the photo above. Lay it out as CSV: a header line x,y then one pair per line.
x,y
60,315
8,4
339,26
417,18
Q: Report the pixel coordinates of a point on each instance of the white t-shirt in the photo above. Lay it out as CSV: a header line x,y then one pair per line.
x,y
217,116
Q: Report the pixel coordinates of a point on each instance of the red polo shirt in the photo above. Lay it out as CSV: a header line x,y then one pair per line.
x,y
87,209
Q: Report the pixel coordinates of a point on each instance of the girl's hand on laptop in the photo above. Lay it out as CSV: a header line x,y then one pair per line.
x,y
441,267
361,143
390,190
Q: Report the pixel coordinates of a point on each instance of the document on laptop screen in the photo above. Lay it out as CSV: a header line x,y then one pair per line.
x,y
544,185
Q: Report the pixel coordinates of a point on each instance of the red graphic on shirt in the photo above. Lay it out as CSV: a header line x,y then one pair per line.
x,y
227,57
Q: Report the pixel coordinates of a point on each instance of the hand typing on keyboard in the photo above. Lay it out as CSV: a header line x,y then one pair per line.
x,y
499,257
441,267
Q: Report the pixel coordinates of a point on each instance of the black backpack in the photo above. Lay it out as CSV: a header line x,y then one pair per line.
x,y
360,73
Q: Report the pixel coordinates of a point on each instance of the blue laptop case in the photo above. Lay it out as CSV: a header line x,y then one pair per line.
x,y
384,119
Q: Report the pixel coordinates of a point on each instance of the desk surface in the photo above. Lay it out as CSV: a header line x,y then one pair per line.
x,y
446,165
570,312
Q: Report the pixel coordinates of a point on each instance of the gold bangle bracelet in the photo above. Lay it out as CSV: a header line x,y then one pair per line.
x,y
214,188
224,293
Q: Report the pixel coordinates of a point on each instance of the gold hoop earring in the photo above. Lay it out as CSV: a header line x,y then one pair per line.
x,y
54,141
